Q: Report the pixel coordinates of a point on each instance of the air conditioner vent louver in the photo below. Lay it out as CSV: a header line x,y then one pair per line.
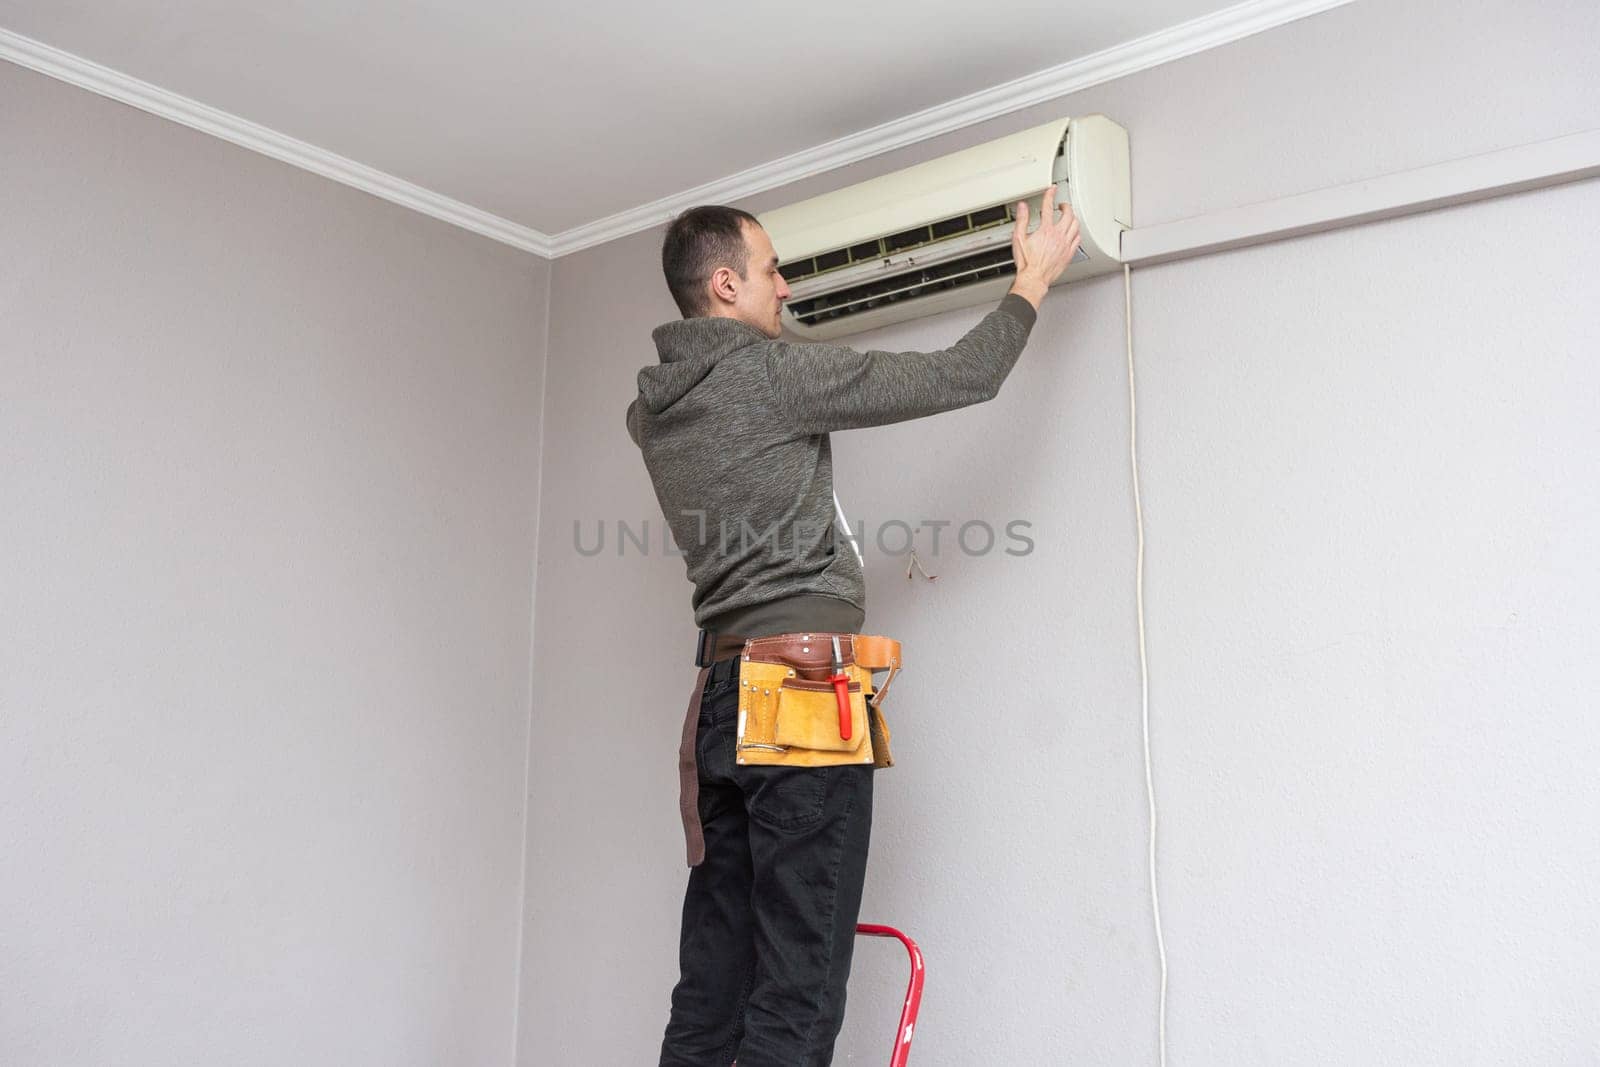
x,y
943,230
918,281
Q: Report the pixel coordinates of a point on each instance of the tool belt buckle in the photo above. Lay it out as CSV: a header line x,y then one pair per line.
x,y
705,648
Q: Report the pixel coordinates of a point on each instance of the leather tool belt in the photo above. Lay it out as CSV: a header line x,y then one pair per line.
x,y
804,704
790,707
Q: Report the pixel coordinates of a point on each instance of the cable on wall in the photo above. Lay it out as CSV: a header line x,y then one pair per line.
x,y
1144,671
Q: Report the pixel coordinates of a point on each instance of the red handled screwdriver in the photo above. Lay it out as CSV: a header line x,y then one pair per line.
x,y
841,689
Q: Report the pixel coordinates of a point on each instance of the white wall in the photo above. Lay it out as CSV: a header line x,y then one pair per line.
x,y
268,463
1373,597
1367,459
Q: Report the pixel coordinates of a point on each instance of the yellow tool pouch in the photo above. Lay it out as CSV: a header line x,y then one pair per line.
x,y
789,711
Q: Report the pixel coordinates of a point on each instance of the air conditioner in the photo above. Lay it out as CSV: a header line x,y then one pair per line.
x,y
937,236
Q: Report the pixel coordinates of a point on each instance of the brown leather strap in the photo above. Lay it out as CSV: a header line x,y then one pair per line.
x,y
689,774
725,646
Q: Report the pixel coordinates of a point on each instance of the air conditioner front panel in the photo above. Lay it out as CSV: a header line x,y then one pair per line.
x,y
936,237
1001,171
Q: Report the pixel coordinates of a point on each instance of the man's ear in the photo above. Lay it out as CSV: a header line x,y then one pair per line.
x,y
723,284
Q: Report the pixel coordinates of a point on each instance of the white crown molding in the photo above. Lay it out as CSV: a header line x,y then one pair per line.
x,y
83,73
1197,35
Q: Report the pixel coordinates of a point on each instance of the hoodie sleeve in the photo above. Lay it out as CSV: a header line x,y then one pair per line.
x,y
633,420
821,387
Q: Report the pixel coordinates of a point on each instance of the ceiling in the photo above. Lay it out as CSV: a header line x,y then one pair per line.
x,y
553,117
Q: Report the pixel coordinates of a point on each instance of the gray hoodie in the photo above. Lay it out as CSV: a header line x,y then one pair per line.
x,y
734,430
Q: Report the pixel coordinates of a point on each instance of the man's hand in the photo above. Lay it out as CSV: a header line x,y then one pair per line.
x,y
1041,256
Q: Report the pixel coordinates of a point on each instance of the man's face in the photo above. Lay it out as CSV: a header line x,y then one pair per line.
x,y
763,291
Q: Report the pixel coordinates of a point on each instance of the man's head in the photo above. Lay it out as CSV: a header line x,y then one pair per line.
x,y
719,262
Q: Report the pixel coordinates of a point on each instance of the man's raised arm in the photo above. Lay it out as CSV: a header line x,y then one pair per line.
x,y
822,388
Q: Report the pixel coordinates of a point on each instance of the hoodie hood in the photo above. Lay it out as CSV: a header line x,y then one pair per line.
x,y
689,348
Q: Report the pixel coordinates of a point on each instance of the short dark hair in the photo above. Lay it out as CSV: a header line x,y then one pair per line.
x,y
698,242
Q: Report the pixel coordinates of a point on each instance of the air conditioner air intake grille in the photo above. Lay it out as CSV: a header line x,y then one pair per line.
x,y
943,230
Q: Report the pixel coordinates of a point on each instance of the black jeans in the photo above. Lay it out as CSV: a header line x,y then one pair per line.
x,y
769,918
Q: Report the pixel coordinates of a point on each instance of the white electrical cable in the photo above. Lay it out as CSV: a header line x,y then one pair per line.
x,y
1144,672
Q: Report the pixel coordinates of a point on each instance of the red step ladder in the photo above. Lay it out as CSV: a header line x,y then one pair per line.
x,y
908,1014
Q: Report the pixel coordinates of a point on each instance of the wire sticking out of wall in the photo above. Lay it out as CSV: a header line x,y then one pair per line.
x,y
1144,670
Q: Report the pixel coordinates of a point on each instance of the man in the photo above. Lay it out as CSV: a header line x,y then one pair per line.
x,y
733,424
